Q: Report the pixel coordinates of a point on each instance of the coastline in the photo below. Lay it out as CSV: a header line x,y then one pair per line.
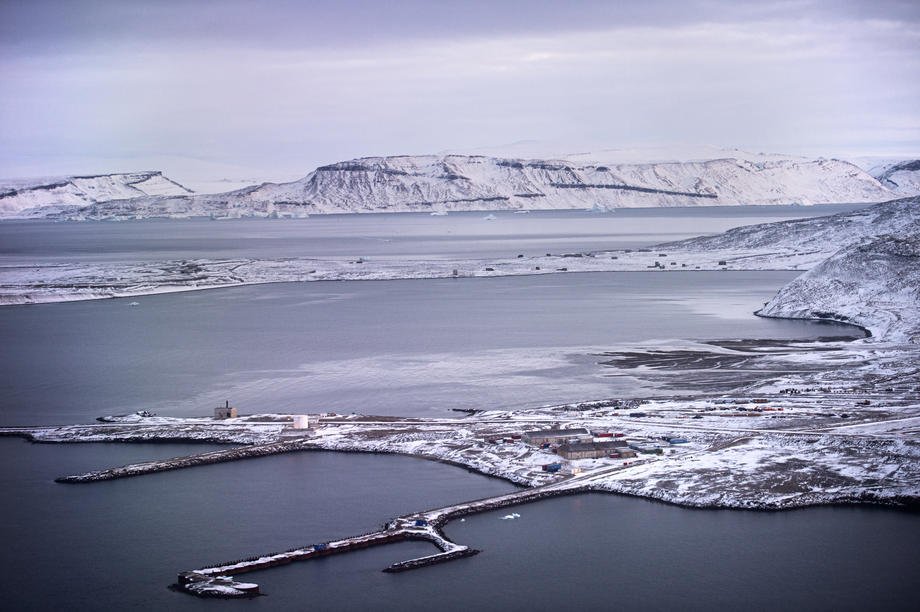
x,y
909,503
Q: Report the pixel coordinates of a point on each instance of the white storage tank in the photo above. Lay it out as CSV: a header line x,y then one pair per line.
x,y
301,421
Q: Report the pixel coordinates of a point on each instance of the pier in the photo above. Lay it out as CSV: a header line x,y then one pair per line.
x,y
216,581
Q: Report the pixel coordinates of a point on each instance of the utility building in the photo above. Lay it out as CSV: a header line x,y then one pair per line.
x,y
225,412
557,436
590,450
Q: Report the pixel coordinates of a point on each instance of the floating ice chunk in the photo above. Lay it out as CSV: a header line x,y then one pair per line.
x,y
489,217
439,213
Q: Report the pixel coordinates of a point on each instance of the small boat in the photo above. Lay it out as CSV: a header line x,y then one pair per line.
x,y
489,217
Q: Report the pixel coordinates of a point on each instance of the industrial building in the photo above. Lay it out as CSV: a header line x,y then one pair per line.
x,y
646,447
557,436
590,450
225,412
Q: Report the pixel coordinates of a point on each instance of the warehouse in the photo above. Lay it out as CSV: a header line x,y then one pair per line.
x,y
590,450
557,436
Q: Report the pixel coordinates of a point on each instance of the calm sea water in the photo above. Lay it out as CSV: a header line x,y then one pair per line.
x,y
413,347
409,235
117,545
399,347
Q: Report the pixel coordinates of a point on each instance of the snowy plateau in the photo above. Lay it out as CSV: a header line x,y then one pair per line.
x,y
443,183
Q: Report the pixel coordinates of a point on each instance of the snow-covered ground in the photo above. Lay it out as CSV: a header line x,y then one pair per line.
x,y
815,443
823,422
875,285
901,176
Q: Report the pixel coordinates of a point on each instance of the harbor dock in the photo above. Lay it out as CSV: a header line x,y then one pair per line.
x,y
216,581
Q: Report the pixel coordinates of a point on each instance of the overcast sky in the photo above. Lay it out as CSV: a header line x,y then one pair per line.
x,y
271,89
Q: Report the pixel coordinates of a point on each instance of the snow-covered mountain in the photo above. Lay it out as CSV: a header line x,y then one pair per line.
x,y
473,182
864,265
875,285
902,177
464,182
50,195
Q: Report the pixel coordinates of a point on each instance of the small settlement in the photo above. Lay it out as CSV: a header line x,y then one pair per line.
x,y
579,443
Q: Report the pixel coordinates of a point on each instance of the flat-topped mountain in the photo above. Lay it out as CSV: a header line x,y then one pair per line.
x,y
430,183
461,182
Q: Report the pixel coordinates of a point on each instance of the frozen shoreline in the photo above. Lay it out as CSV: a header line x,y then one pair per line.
x,y
840,438
39,284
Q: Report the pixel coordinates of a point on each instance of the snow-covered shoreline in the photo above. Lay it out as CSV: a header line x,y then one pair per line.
x,y
800,245
825,437
826,423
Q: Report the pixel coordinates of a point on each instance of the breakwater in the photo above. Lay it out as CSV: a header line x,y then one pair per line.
x,y
176,463
215,581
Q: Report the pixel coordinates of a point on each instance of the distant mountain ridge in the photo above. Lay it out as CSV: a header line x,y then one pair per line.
x,y
902,177
434,183
68,192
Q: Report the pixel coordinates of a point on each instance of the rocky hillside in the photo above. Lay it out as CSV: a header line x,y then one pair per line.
x,y
875,285
818,234
902,178
471,182
50,196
